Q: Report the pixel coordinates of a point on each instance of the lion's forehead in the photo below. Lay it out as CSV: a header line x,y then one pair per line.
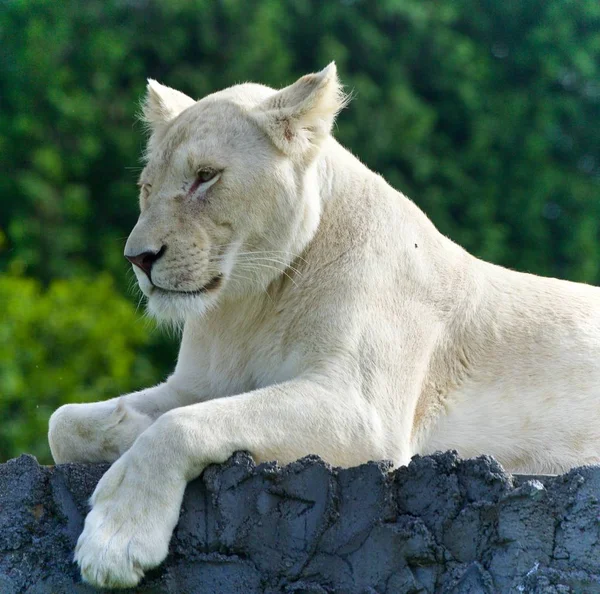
x,y
245,95
204,130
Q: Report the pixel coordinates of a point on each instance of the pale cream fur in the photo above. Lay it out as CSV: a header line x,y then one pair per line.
x,y
345,325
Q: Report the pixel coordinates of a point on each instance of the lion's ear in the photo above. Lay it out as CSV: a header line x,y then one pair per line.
x,y
162,104
299,117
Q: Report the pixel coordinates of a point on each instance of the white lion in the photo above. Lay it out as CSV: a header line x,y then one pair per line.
x,y
322,313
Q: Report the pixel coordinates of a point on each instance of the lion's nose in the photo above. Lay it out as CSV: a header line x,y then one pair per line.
x,y
145,260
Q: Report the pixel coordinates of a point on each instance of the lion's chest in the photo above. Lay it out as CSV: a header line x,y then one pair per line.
x,y
246,354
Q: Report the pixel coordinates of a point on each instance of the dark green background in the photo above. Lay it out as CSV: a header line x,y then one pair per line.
x,y
486,113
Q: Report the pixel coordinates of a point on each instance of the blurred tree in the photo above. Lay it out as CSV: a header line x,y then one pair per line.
x,y
487,114
76,341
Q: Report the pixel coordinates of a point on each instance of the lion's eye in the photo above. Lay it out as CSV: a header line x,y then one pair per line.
x,y
205,174
205,178
145,189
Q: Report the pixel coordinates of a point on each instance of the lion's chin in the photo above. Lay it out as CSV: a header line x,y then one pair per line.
x,y
212,285
175,307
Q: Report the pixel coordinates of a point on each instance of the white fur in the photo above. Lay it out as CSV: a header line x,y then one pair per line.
x,y
345,325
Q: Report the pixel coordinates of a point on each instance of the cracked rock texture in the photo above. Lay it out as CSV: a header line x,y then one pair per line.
x,y
440,525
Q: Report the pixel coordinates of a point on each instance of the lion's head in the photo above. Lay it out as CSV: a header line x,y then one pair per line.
x,y
229,195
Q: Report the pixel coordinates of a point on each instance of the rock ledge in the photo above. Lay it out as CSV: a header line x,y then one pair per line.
x,y
440,525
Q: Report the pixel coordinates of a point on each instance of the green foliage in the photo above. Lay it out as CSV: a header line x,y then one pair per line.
x,y
76,341
486,113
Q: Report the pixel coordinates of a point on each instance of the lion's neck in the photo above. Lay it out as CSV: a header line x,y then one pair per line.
x,y
341,175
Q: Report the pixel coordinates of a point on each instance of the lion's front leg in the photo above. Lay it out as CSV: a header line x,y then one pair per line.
x,y
135,508
136,504
103,431
95,431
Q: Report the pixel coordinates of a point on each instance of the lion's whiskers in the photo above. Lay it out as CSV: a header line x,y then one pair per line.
x,y
235,276
249,265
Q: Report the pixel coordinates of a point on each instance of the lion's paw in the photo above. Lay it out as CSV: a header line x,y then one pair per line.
x,y
128,529
115,554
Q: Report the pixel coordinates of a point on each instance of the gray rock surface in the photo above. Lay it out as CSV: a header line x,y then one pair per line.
x,y
440,525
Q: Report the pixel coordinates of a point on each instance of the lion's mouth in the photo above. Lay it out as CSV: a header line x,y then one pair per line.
x,y
211,285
